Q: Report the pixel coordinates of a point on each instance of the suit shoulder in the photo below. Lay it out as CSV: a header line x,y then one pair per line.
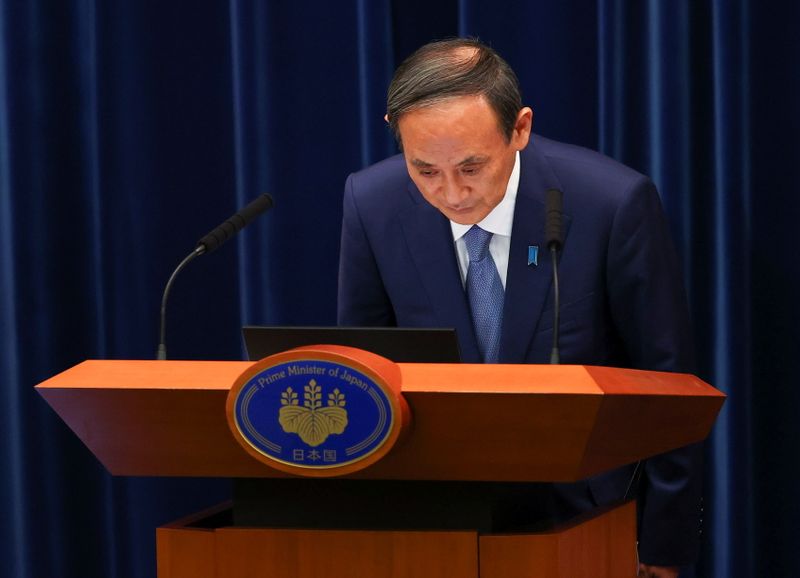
x,y
388,174
565,153
381,190
579,168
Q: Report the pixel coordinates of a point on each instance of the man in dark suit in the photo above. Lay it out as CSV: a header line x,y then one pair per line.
x,y
471,170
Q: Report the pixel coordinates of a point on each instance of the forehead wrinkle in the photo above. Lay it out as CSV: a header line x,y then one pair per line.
x,y
467,161
474,159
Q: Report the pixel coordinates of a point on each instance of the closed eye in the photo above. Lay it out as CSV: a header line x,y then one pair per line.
x,y
471,170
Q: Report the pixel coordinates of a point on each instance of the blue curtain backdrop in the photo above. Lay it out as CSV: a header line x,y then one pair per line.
x,y
128,129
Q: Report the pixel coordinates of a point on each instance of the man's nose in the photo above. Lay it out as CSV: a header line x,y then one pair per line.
x,y
454,190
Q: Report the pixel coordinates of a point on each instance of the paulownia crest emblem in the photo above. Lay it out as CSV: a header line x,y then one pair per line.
x,y
311,421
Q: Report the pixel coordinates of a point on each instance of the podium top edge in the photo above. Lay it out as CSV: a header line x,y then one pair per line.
x,y
416,378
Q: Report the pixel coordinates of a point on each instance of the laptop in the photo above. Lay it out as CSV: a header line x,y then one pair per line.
x,y
400,344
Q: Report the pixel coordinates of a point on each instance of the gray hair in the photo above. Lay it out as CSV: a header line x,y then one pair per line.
x,y
451,68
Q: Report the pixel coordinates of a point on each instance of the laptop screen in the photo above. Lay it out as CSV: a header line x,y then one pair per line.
x,y
400,344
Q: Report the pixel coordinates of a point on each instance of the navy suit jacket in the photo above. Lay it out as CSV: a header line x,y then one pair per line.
x,y
622,298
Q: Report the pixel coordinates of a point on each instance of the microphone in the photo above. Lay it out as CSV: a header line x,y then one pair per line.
x,y
208,243
235,224
553,230
554,240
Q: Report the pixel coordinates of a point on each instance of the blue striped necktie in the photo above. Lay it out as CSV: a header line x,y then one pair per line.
x,y
485,293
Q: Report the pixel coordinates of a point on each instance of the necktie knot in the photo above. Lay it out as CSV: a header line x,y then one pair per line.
x,y
477,241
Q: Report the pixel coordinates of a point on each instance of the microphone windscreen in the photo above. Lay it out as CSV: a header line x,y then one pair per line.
x,y
260,204
236,223
553,229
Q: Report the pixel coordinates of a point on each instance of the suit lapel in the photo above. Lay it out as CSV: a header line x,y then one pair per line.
x,y
430,243
527,287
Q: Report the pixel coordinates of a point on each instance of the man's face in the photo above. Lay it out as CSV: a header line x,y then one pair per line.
x,y
457,156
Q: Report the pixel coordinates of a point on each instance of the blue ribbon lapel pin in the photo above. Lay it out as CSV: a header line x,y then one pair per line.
x,y
533,255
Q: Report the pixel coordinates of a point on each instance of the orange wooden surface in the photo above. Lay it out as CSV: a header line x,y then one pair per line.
x,y
470,422
267,553
256,553
186,553
148,374
601,547
183,551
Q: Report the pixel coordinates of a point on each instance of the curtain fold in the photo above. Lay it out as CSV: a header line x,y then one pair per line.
x,y
728,350
128,130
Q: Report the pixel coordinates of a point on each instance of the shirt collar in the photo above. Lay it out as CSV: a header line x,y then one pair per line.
x,y
501,218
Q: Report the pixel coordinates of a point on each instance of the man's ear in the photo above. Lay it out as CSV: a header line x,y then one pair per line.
x,y
522,128
386,118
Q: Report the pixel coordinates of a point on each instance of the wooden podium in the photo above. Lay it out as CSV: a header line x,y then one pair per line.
x,y
471,423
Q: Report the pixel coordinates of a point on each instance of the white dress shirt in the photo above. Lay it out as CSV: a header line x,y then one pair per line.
x,y
499,223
